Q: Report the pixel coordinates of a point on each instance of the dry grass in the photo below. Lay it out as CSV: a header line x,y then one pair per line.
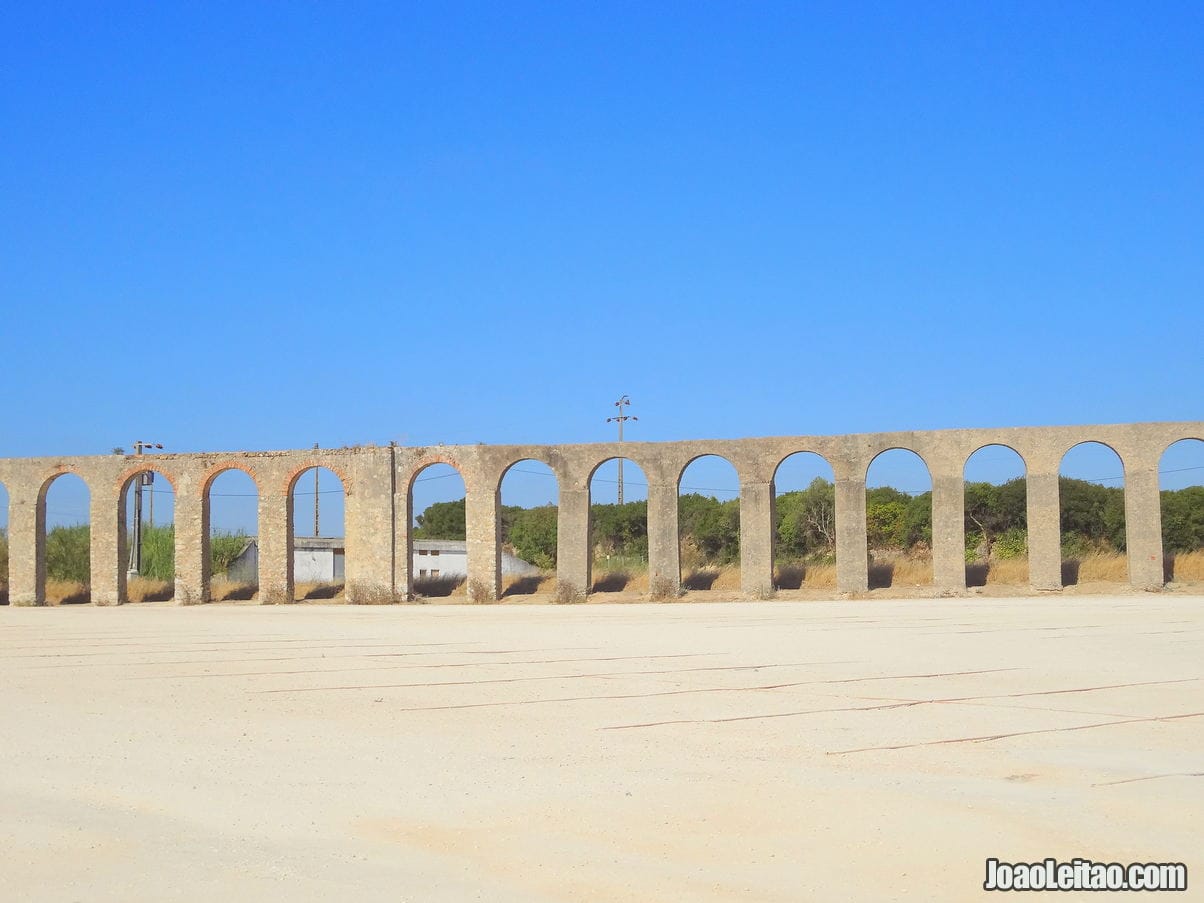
x,y
1104,568
820,576
439,587
1187,567
317,591
620,581
526,585
66,592
143,589
725,578
1012,572
228,591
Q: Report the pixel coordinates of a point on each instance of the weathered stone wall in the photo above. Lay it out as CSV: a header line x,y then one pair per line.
x,y
379,508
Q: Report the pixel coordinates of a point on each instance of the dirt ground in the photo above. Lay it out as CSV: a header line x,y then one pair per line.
x,y
779,751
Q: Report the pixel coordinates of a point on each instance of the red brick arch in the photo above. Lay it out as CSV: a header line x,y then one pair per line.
x,y
296,472
220,468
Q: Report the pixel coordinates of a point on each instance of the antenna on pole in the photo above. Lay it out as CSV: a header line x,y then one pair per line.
x,y
624,401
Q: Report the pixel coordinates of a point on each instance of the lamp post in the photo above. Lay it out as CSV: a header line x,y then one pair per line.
x,y
621,419
145,478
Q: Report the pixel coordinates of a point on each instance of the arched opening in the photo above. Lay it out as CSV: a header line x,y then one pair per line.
x,y
708,525
438,550
148,552
996,510
1181,481
232,501
319,557
1091,498
804,523
898,520
64,546
530,494
3,545
618,527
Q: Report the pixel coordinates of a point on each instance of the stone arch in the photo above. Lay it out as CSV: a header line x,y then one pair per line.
x,y
216,470
295,473
71,556
995,512
144,550
709,526
244,582
620,542
803,528
899,519
447,554
531,535
317,563
427,460
1181,496
1092,517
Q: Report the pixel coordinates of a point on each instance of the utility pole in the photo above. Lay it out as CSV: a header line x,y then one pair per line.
x,y
315,495
141,480
621,419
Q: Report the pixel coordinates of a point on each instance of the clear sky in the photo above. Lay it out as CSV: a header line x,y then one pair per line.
x,y
234,226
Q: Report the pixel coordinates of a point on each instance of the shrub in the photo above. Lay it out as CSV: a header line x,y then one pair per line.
x,y
480,593
661,589
365,592
567,593
1012,544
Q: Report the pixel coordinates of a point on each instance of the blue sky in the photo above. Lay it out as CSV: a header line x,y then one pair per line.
x,y
263,226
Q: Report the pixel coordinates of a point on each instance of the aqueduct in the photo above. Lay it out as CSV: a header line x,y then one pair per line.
x,y
378,514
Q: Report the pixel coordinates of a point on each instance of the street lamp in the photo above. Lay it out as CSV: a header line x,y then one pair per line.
x,y
146,478
621,419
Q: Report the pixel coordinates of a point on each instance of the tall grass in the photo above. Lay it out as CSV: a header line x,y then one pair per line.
x,y
68,554
158,553
224,547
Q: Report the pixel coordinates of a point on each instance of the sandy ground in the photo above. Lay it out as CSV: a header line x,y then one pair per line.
x,y
779,751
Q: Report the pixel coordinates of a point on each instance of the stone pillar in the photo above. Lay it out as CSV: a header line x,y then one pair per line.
x,y
369,527
949,529
573,542
664,550
107,542
275,545
1143,522
26,546
1044,529
192,552
756,538
483,525
403,517
852,558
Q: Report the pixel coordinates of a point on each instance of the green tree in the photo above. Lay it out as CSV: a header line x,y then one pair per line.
x,y
805,521
1092,514
532,534
1183,519
442,520
621,529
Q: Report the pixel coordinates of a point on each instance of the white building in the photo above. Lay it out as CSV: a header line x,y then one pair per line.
x,y
321,559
